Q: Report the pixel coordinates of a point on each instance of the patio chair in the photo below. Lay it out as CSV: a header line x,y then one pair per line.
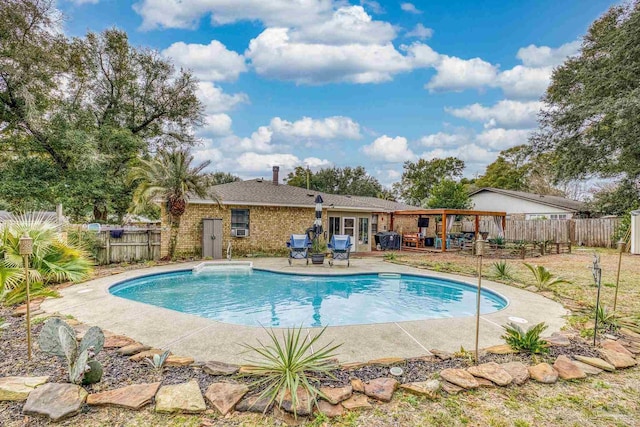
x,y
299,245
340,247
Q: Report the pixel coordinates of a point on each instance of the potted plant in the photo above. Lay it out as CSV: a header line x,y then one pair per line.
x,y
318,249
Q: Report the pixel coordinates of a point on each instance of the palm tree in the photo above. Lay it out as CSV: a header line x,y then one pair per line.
x,y
170,177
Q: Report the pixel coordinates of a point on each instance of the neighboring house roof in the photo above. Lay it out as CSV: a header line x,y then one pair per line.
x,y
260,192
553,201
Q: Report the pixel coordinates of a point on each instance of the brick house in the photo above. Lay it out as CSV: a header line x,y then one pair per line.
x,y
259,216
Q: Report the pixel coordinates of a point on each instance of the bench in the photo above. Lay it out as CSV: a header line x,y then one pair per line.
x,y
412,240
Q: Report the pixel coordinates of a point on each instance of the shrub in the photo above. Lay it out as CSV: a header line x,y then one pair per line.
x,y
607,318
390,256
158,360
502,270
529,341
544,280
18,295
284,367
59,339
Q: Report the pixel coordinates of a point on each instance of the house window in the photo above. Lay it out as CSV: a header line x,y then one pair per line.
x,y
558,216
240,218
374,223
363,230
334,225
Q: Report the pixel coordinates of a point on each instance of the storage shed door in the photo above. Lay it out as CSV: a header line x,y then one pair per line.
x,y
212,238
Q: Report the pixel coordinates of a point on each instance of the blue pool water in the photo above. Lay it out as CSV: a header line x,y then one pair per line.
x,y
274,299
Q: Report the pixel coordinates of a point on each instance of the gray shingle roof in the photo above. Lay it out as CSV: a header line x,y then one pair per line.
x,y
554,201
265,193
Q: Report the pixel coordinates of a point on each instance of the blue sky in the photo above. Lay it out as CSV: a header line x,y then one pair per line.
x,y
339,83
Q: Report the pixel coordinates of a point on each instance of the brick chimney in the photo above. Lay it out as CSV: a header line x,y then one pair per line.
x,y
276,171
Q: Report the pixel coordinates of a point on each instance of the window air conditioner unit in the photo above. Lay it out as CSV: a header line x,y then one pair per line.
x,y
240,232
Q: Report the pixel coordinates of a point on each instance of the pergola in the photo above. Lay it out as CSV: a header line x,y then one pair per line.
x,y
463,212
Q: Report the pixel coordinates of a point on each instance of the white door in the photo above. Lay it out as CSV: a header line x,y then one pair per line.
x,y
349,228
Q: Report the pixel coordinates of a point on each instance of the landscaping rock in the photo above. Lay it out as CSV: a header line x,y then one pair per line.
x,y
220,368
330,410
22,309
617,359
632,346
492,372
598,363
253,404
567,370
518,371
183,398
386,361
587,369
615,346
355,402
630,335
459,377
148,353
484,383
352,366
131,397
18,388
424,388
224,396
558,340
56,401
500,349
381,388
440,354
303,402
357,385
117,341
132,349
179,361
543,373
451,388
335,395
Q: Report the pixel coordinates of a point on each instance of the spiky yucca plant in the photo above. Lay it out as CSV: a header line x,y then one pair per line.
x,y
607,318
285,366
502,270
544,279
529,341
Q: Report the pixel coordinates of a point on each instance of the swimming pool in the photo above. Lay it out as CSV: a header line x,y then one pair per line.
x,y
258,297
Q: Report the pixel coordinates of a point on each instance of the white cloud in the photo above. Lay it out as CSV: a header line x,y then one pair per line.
x,y
348,25
188,13
373,6
255,162
216,101
524,82
505,113
389,150
457,74
500,139
81,2
545,56
420,32
212,62
216,125
410,7
474,156
443,139
273,54
328,128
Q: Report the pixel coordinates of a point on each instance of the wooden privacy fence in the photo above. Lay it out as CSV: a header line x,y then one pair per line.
x,y
595,232
131,244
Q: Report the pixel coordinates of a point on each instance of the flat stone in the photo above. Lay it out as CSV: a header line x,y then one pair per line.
x,y
451,388
587,369
518,371
567,370
287,418
18,388
632,346
386,361
615,346
617,359
22,309
381,388
330,410
304,402
630,335
459,377
225,396
491,371
144,354
117,341
182,398
440,354
424,388
253,403
355,402
351,366
500,349
543,373
132,397
335,395
179,361
484,383
597,362
357,385
220,368
558,340
132,349
55,400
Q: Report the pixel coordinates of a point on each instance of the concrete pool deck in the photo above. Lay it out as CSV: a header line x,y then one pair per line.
x,y
207,339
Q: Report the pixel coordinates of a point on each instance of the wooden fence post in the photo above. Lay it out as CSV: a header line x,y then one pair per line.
x,y
108,249
149,249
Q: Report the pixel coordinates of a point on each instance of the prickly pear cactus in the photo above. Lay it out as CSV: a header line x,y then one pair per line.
x,y
49,338
95,373
78,367
93,339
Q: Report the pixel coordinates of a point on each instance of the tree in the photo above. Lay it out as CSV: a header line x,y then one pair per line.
x,y
448,194
352,181
386,194
83,109
616,198
593,103
419,178
217,178
172,178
